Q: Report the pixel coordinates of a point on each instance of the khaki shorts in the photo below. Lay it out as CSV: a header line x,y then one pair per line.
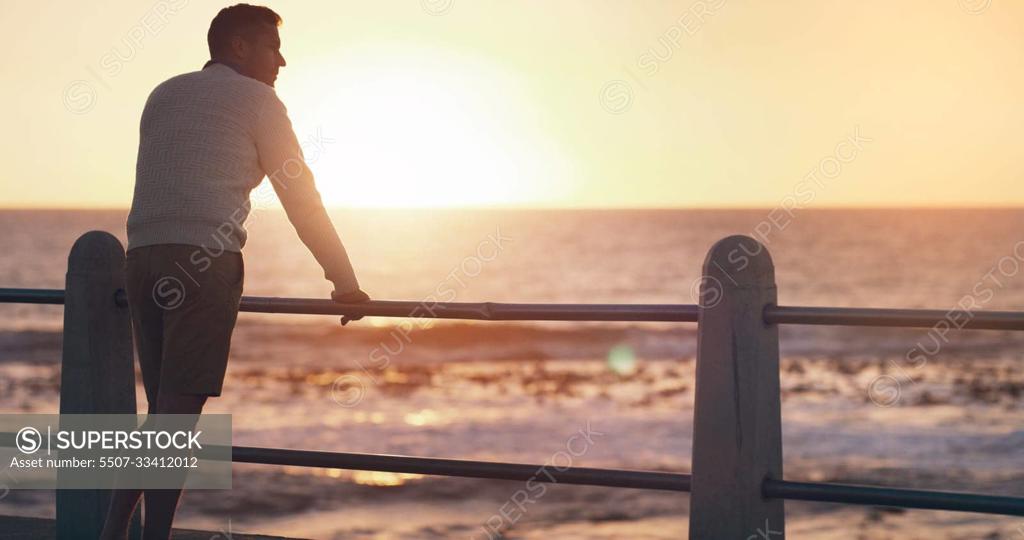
x,y
183,302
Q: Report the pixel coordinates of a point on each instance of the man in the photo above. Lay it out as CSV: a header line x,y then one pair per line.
x,y
207,138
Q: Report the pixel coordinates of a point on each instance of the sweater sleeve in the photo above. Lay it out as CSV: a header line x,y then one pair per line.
x,y
282,161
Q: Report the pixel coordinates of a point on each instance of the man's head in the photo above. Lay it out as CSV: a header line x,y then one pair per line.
x,y
247,37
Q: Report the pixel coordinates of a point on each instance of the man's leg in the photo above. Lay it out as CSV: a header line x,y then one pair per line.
x,y
123,501
119,513
161,504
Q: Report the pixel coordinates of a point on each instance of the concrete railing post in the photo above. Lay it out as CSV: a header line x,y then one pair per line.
x,y
737,426
97,365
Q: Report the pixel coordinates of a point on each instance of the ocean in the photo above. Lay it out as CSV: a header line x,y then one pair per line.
x,y
517,391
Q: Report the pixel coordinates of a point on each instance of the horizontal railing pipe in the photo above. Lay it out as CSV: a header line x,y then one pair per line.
x,y
31,296
802,315
905,318
464,468
490,311
664,481
886,496
493,311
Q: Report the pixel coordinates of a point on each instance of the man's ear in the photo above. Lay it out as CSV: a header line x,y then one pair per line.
x,y
239,46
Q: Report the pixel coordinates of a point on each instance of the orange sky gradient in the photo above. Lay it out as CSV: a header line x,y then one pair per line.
x,y
705,103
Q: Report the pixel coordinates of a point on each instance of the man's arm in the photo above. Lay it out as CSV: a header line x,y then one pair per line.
x,y
281,159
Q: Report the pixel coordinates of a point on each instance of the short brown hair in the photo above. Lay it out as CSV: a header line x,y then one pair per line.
x,y
239,19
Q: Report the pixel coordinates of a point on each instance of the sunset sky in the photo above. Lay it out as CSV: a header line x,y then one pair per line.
x,y
589,103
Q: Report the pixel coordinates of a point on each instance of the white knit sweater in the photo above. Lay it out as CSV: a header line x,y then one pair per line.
x,y
206,139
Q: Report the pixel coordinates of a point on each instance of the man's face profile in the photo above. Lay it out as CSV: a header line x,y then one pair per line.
x,y
259,53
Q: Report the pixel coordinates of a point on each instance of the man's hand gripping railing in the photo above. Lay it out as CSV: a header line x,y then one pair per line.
x,y
353,297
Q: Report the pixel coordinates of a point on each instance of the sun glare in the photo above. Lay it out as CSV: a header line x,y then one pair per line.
x,y
404,128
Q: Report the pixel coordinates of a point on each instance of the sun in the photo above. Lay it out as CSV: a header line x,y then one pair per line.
x,y
408,127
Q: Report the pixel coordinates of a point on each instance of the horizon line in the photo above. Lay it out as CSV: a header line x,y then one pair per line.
x,y
568,208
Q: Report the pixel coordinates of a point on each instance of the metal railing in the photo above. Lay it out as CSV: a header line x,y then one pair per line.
x,y
736,483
